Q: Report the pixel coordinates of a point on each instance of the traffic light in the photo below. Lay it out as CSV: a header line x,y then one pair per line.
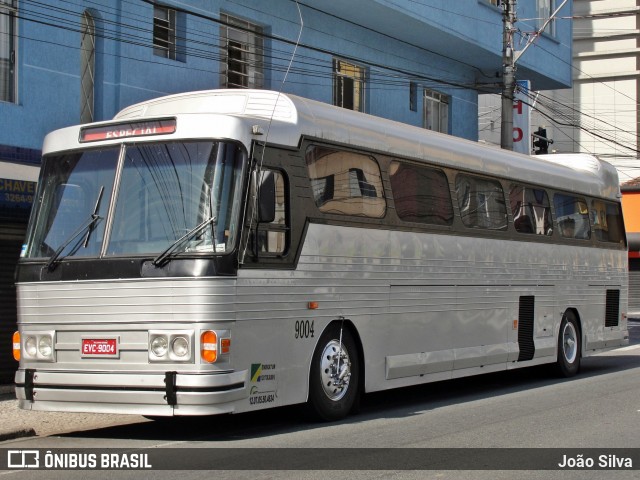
x,y
541,143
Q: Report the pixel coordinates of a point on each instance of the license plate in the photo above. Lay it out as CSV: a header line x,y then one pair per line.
x,y
99,347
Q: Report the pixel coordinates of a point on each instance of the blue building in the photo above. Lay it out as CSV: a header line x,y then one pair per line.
x,y
64,62
416,62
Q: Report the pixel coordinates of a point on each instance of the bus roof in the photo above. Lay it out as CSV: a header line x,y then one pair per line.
x,y
284,119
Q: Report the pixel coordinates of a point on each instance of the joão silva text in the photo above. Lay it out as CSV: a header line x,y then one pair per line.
x,y
604,461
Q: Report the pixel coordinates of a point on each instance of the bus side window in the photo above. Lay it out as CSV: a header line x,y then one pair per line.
x,y
481,202
273,212
421,194
572,215
606,219
345,183
531,210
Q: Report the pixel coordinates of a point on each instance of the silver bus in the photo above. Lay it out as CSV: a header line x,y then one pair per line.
x,y
227,251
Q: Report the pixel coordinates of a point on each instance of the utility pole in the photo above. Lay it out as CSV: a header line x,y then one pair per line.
x,y
508,73
509,59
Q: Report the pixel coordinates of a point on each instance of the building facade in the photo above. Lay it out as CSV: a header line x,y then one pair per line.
x,y
422,63
602,107
66,62
600,114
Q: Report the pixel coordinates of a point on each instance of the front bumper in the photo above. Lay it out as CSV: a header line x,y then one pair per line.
x,y
162,394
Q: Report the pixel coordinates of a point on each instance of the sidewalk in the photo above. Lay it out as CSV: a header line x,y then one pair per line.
x,y
16,423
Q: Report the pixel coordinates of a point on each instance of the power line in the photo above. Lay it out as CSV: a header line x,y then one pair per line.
x,y
537,45
394,38
569,123
548,108
383,76
398,77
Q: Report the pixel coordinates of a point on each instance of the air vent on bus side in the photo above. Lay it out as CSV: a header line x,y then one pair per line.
x,y
612,308
525,328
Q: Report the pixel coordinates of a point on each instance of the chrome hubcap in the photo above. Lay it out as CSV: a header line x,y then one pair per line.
x,y
570,342
335,370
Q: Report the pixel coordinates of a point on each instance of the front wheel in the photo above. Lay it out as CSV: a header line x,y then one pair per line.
x,y
335,375
569,346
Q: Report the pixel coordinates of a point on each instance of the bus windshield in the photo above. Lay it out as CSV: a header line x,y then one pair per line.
x,y
164,190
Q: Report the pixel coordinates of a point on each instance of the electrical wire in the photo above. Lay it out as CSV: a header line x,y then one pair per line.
x,y
205,45
397,77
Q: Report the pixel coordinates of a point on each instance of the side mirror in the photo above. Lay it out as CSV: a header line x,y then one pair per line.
x,y
267,198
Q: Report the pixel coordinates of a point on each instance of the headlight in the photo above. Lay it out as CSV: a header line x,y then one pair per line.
x,y
159,345
39,346
180,347
45,347
31,346
166,346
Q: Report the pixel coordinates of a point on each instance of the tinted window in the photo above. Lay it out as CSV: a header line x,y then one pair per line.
x,y
421,194
531,210
481,202
606,219
572,216
345,183
272,231
167,189
74,187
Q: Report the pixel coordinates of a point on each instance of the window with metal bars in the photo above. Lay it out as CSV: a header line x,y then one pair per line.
x,y
164,32
8,14
242,53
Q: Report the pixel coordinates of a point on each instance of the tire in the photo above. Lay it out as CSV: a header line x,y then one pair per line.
x,y
569,346
329,401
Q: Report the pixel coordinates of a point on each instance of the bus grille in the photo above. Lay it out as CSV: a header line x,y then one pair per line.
x,y
612,308
525,328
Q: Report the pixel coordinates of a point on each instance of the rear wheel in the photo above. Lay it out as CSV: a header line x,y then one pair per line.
x,y
569,346
335,375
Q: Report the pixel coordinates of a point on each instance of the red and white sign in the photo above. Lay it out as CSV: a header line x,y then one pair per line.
x,y
125,130
99,347
522,119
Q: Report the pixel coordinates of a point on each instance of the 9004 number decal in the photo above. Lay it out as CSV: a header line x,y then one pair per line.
x,y
304,329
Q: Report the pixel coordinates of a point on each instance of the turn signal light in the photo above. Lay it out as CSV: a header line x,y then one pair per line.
x,y
209,346
16,346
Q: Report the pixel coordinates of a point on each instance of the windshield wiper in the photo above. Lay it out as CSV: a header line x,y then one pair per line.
x,y
161,259
86,226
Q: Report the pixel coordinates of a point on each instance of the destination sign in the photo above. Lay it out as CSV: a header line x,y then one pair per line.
x,y
125,130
